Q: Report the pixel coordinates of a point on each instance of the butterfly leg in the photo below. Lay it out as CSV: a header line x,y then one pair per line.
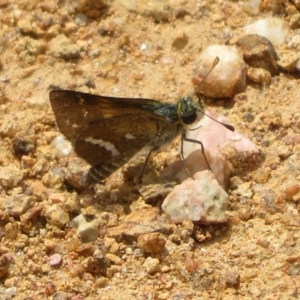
x,y
185,139
145,163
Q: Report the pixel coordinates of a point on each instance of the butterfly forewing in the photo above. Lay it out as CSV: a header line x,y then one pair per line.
x,y
74,110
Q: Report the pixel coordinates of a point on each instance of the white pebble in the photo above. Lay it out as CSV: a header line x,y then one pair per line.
x,y
251,6
62,146
151,265
11,291
274,29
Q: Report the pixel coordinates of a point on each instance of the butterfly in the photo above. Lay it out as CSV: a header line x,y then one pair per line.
x,y
108,131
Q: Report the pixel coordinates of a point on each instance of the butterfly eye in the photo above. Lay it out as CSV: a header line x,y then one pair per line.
x,y
189,117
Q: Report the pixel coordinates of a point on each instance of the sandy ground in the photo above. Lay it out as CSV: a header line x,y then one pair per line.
x,y
127,49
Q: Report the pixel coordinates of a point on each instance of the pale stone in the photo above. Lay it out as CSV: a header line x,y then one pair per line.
x,y
274,29
226,78
200,199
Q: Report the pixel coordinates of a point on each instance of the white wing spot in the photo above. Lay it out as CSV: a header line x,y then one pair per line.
x,y
74,125
107,145
129,136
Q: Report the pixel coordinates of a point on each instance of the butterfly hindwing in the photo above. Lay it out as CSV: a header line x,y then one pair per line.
x,y
114,139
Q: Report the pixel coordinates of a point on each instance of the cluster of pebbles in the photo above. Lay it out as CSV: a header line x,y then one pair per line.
x,y
192,230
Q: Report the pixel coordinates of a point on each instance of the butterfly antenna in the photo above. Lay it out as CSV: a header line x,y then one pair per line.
x,y
230,127
216,61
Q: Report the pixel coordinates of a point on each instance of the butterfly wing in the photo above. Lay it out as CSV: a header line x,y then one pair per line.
x,y
115,139
108,131
74,110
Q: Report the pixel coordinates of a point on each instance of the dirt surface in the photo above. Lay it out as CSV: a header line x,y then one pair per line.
x,y
61,242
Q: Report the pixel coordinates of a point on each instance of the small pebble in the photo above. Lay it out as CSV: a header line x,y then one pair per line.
x,y
151,265
18,204
140,221
259,75
115,259
23,142
218,149
5,261
77,297
292,190
232,279
10,175
289,60
11,292
180,41
251,6
57,216
295,21
152,242
190,263
259,52
50,288
88,231
62,147
55,260
60,296
158,10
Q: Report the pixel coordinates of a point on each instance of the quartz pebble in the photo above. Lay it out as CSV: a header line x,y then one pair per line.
x,y
151,265
11,292
10,175
55,260
259,75
57,216
87,231
16,205
62,147
225,79
200,199
251,6
274,29
289,60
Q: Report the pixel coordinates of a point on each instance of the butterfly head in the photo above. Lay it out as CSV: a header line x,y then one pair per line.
x,y
188,109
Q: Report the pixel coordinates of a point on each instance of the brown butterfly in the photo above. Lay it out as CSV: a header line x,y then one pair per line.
x,y
108,131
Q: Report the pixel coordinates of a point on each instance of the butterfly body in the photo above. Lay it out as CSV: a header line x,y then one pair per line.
x,y
108,131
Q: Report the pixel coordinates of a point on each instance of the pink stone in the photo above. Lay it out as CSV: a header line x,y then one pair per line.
x,y
200,200
55,260
215,137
